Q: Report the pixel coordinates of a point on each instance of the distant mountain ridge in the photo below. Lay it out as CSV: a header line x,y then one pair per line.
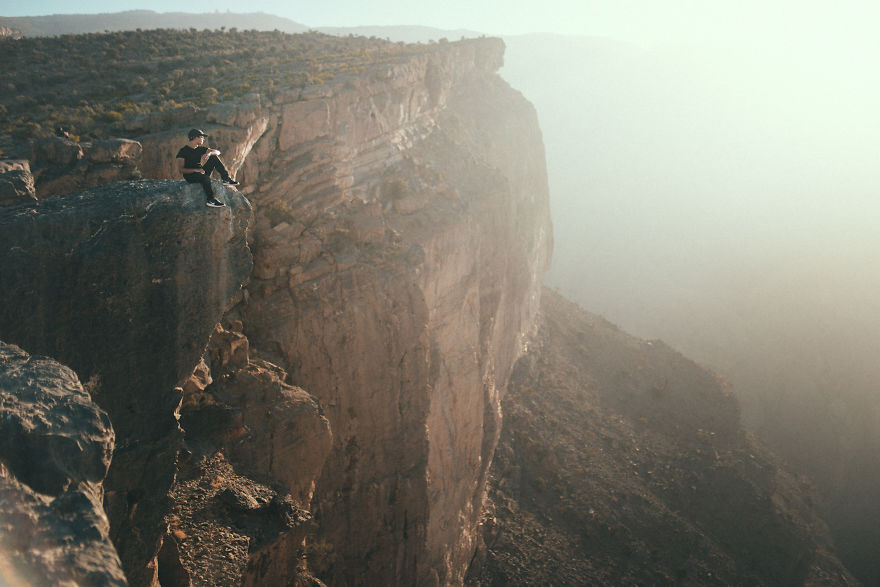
x,y
407,34
77,24
63,24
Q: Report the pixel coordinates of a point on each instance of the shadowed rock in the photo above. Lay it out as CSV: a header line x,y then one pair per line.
x,y
16,182
55,446
124,283
622,462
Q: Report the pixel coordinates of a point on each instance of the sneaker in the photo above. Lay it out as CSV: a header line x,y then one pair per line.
x,y
229,181
214,203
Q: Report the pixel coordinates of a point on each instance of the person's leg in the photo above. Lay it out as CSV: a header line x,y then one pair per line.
x,y
206,184
203,179
213,163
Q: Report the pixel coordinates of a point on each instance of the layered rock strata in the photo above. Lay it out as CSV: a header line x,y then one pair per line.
x,y
125,283
402,231
400,235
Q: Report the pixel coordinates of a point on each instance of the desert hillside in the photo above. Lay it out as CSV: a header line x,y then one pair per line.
x,y
621,462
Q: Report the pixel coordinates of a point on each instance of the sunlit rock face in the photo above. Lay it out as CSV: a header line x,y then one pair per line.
x,y
55,446
402,229
125,283
61,166
239,507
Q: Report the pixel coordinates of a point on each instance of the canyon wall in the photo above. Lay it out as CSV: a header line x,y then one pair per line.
x,y
124,284
400,232
402,229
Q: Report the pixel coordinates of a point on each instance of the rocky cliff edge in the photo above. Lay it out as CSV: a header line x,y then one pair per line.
x,y
400,232
124,284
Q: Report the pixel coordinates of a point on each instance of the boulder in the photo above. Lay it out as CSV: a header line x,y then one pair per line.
x,y
112,151
288,437
56,445
16,182
62,166
57,151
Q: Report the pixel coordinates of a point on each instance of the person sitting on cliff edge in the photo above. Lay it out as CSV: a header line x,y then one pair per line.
x,y
196,162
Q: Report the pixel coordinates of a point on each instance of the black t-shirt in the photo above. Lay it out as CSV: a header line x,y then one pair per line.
x,y
192,158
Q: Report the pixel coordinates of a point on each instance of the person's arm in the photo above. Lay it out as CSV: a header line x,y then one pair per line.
x,y
180,166
208,153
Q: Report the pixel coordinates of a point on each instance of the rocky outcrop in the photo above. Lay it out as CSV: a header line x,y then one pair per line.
x,y
61,165
10,32
258,445
622,462
55,447
125,283
400,235
285,437
16,182
402,229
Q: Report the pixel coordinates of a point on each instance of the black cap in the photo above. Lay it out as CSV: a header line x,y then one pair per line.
x,y
196,133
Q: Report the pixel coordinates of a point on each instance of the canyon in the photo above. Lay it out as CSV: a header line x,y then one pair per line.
x,y
398,228
349,374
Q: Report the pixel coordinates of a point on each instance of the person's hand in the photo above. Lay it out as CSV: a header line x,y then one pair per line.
x,y
213,152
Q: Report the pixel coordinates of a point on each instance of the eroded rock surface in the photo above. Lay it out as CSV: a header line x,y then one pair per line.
x,y
240,508
16,182
402,231
61,165
125,283
55,448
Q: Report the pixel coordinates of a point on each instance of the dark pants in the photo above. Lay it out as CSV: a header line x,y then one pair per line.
x,y
210,165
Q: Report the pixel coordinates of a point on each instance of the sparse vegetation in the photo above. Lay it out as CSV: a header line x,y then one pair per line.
x,y
90,83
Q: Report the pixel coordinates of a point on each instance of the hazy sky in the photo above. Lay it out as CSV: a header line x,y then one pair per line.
x,y
634,20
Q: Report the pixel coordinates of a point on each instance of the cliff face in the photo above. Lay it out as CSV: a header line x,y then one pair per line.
x,y
124,283
402,231
401,228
